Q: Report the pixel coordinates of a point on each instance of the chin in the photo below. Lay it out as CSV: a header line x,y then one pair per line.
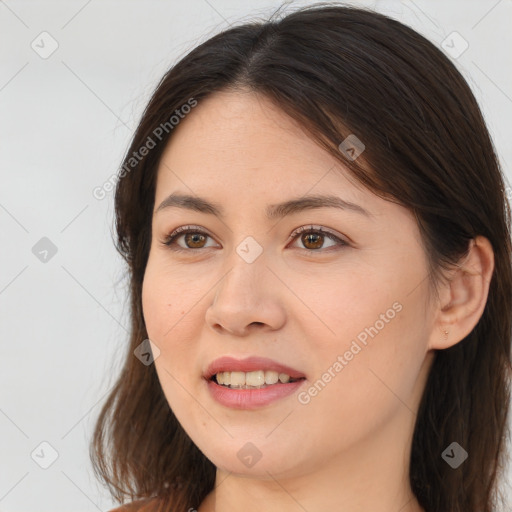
x,y
256,460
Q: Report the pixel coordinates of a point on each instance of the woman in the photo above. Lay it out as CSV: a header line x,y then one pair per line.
x,y
318,243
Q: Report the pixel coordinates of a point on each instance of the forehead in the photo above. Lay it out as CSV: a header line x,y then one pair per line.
x,y
236,140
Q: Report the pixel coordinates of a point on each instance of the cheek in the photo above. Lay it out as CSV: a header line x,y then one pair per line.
x,y
157,304
369,332
337,307
169,318
365,387
170,301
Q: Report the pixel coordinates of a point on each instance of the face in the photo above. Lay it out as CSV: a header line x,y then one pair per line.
x,y
333,298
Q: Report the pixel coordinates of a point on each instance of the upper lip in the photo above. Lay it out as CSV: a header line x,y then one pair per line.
x,y
231,364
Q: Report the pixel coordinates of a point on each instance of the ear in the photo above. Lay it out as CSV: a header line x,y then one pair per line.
x,y
463,297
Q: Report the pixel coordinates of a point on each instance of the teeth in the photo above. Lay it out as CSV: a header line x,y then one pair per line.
x,y
284,378
254,379
237,378
271,377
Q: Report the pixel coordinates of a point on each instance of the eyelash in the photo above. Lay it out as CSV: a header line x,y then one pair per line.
x,y
170,240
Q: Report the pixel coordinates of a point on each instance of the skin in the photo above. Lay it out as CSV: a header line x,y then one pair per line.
x,y
347,448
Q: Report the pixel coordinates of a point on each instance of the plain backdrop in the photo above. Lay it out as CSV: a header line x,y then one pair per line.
x,y
65,122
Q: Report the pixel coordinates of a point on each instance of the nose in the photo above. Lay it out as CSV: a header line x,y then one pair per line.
x,y
247,299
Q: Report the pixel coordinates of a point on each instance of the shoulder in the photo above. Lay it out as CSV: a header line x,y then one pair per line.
x,y
143,505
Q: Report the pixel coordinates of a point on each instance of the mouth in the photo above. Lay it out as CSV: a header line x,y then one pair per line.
x,y
251,383
252,371
252,380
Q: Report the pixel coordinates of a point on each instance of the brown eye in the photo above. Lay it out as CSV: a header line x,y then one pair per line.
x,y
312,240
194,240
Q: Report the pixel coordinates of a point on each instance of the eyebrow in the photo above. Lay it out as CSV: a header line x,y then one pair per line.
x,y
273,211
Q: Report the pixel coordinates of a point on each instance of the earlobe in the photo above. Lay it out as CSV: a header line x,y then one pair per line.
x,y
464,295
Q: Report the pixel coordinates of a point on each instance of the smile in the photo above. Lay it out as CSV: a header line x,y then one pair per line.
x,y
252,380
251,383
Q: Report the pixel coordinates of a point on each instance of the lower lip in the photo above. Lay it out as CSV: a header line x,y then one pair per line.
x,y
251,398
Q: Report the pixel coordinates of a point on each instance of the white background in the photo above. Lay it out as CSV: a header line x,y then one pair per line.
x,y
65,123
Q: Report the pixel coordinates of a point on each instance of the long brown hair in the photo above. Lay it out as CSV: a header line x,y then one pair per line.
x,y
337,70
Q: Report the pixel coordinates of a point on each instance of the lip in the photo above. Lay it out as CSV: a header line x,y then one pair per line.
x,y
250,398
250,364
